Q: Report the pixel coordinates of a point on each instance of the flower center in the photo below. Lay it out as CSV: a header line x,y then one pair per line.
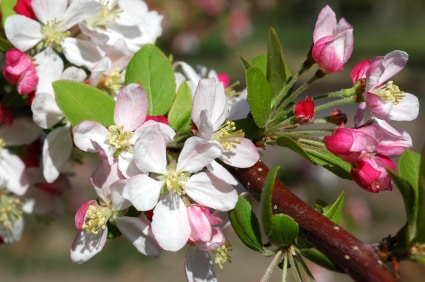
x,y
390,92
54,33
176,181
228,136
2,144
96,219
221,254
10,209
108,14
119,139
114,80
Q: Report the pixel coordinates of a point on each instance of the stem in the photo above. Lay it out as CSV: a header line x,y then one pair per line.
x,y
269,271
351,255
332,104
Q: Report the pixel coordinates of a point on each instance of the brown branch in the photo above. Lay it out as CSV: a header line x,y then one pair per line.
x,y
351,255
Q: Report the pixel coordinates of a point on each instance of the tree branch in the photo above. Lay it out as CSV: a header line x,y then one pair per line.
x,y
351,255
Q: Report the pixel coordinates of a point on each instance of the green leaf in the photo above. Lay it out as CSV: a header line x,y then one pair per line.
x,y
420,222
330,162
79,102
5,44
260,62
320,259
246,226
284,230
277,70
266,200
408,167
250,129
259,95
7,9
334,211
318,156
153,71
179,115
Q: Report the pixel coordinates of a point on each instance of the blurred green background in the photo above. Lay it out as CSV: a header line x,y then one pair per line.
x,y
380,26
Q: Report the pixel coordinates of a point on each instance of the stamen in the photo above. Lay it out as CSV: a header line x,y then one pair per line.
x,y
390,92
228,136
54,33
96,219
10,210
2,144
114,80
108,14
119,139
176,181
221,254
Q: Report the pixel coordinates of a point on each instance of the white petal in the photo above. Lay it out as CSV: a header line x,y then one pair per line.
x,y
79,10
21,131
57,149
119,203
73,73
49,68
170,223
12,169
81,52
196,154
14,233
244,155
139,233
407,109
45,111
210,191
131,107
150,149
88,131
86,245
22,38
46,10
199,266
221,172
142,191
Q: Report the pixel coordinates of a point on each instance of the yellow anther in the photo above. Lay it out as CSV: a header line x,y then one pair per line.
x,y
228,136
114,80
119,139
108,14
2,144
221,254
390,92
54,33
96,219
176,181
10,209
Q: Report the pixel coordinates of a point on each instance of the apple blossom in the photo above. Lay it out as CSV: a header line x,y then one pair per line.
x,y
115,143
171,185
332,41
93,218
209,114
383,98
370,173
304,110
19,68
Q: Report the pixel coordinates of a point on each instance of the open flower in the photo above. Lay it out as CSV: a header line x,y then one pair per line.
x,y
383,98
333,42
115,143
171,185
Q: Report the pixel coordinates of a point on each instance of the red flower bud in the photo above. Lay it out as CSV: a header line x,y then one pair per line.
x,y
304,110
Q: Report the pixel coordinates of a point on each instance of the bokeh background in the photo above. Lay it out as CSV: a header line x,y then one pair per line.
x,y
214,34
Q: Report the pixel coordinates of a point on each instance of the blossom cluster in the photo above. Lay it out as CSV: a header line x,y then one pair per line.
x,y
159,187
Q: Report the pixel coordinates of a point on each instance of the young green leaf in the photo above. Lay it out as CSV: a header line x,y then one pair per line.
x,y
7,9
259,95
79,102
280,229
153,71
420,222
179,116
334,211
319,259
246,226
277,70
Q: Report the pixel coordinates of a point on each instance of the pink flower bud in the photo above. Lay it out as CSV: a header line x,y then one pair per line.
x,y
350,144
370,173
19,69
337,117
24,8
224,78
360,71
332,41
161,119
201,221
304,110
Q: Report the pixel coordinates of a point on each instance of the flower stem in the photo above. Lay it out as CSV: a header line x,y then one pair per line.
x,y
269,271
343,101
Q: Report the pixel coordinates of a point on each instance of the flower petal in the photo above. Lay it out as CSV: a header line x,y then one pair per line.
x,y
196,154
142,191
244,155
131,107
139,233
88,131
22,38
170,223
86,245
199,265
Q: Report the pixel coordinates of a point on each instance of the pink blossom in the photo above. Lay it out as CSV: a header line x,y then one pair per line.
x,y
360,71
383,98
370,173
24,8
20,69
333,42
304,110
